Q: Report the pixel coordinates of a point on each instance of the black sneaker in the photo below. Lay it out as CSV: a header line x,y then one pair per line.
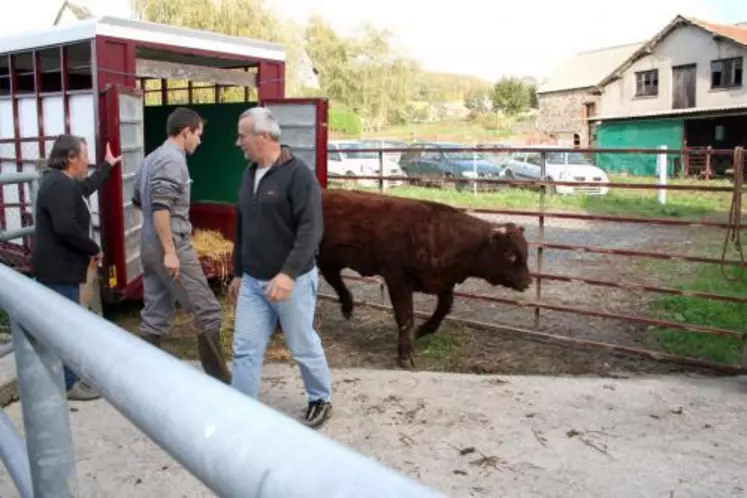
x,y
317,413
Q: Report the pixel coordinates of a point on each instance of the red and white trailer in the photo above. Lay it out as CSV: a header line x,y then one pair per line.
x,y
95,79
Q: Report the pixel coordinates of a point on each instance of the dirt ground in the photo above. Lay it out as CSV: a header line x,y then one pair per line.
x,y
368,340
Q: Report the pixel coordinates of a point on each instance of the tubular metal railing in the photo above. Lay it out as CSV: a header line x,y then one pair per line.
x,y
13,178
235,445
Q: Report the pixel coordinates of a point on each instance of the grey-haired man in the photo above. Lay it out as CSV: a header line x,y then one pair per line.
x,y
278,231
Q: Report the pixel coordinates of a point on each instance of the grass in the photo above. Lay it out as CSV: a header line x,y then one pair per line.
x,y
456,130
437,347
697,311
621,202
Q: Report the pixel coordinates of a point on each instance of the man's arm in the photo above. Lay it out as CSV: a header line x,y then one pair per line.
x,y
93,182
165,186
238,267
61,205
306,203
136,195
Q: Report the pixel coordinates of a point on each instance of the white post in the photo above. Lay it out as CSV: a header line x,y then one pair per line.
x,y
661,167
474,167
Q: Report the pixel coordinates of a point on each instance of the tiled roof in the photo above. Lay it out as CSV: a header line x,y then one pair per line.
x,y
733,32
586,69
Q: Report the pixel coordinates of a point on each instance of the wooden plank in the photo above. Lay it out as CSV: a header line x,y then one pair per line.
x,y
146,68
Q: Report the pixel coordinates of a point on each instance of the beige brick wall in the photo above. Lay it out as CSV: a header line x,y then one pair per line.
x,y
562,113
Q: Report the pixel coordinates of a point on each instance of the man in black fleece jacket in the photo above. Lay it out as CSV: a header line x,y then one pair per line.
x,y
278,231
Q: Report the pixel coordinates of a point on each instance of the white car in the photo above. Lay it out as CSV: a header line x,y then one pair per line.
x,y
559,166
340,162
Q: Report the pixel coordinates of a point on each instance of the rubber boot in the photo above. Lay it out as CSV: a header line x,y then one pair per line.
x,y
211,356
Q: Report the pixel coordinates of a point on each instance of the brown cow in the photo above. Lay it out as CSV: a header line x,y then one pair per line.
x,y
416,246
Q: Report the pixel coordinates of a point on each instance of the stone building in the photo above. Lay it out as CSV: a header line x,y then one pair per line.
x,y
566,99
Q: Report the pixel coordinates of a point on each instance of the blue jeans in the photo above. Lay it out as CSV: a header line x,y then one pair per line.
x,y
72,292
256,318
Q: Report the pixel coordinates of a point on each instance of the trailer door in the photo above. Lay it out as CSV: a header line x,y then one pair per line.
x,y
125,131
304,129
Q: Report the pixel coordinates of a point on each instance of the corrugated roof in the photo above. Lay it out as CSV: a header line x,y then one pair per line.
x,y
691,111
587,69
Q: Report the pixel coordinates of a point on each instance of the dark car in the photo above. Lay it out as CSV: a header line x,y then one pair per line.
x,y
439,168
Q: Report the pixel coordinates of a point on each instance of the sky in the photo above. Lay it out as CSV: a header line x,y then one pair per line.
x,y
477,37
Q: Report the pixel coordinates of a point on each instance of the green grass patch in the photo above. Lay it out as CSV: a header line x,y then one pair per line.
x,y
620,202
437,347
697,311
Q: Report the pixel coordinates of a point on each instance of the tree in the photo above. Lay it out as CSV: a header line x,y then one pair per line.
x,y
510,95
477,100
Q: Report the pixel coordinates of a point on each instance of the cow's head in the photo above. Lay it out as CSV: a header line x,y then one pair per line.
x,y
503,258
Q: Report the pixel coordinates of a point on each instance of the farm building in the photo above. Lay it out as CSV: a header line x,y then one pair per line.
x,y
566,99
683,88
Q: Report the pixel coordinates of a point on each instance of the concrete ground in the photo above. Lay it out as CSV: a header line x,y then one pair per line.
x,y
469,435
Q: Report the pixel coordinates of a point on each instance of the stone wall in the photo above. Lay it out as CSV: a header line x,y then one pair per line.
x,y
563,114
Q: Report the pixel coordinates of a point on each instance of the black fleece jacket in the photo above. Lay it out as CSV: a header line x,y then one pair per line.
x,y
62,244
278,228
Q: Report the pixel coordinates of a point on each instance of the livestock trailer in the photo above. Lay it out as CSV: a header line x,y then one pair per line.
x,y
110,79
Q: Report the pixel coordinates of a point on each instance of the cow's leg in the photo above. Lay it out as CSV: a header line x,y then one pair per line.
x,y
333,277
443,308
401,297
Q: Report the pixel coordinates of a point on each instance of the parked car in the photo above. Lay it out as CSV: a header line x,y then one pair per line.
x,y
439,168
559,166
498,158
342,162
387,144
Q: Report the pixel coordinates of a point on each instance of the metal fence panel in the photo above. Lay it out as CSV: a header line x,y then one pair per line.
x,y
236,446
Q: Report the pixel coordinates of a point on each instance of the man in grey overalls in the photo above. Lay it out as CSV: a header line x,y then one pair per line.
x,y
171,268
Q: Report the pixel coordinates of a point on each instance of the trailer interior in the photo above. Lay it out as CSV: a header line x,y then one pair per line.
x,y
117,80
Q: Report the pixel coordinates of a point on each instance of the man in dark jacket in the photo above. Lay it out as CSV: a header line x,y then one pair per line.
x,y
63,247
278,231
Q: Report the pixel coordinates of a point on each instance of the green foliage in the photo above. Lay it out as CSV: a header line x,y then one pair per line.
x,y
511,96
343,121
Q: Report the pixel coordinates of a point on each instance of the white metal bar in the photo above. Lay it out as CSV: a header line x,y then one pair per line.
x,y
14,456
13,177
16,233
235,445
46,420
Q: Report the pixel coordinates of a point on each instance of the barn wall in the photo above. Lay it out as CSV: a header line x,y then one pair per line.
x,y
638,134
685,45
563,114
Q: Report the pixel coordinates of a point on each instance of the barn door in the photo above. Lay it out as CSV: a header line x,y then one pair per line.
x,y
304,129
683,86
126,132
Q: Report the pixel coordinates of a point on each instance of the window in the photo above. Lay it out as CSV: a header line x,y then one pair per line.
x,y
534,158
647,83
590,109
726,73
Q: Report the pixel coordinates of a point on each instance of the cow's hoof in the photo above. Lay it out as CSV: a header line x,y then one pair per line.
x,y
407,363
347,311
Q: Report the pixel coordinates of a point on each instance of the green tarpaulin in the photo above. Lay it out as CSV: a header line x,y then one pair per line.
x,y
644,134
217,164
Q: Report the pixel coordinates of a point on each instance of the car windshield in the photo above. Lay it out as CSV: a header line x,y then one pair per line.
x,y
576,158
358,155
465,155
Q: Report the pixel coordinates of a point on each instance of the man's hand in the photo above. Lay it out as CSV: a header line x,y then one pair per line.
x,y
280,288
109,157
233,290
171,262
96,260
